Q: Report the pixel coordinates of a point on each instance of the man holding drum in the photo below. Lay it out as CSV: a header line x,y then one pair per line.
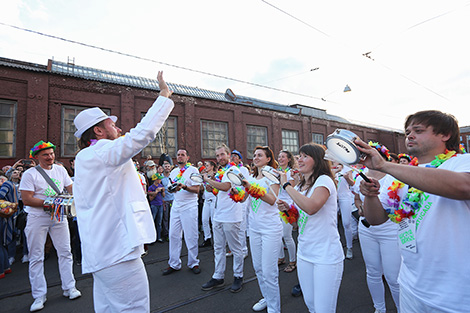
x,y
34,190
434,216
226,224
113,213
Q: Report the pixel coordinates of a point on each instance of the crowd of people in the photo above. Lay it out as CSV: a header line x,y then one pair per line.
x,y
410,215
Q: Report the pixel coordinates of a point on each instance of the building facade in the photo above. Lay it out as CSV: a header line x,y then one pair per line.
x,y
39,102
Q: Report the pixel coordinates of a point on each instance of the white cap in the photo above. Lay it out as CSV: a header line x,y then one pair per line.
x,y
88,118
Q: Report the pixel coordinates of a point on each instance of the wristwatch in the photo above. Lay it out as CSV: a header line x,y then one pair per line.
x,y
285,185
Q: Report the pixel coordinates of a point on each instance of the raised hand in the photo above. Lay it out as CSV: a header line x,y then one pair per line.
x,y
164,90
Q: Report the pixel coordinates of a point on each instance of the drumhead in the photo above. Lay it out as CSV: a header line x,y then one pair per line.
x,y
234,175
341,145
269,173
197,178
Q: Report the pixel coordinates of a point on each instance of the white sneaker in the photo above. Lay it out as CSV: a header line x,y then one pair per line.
x,y
349,254
245,255
11,260
378,311
38,304
25,259
228,254
260,306
72,293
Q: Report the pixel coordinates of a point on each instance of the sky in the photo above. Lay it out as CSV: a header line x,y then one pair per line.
x,y
419,57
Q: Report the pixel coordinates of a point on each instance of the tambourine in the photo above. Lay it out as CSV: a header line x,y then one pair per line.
x,y
62,205
197,178
270,174
235,176
341,145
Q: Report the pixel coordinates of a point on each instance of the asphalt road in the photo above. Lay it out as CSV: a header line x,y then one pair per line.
x,y
181,291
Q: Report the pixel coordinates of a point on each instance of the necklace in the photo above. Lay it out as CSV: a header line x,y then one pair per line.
x,y
182,170
413,199
220,174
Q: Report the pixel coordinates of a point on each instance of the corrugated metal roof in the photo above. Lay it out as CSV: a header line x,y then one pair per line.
x,y
23,65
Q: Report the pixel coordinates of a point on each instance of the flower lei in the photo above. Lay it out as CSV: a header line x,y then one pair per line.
x,y
380,148
285,170
406,156
462,148
412,201
220,174
256,191
293,215
238,196
182,170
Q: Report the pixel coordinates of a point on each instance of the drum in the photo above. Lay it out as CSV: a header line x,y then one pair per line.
x,y
197,178
341,147
270,174
235,176
61,205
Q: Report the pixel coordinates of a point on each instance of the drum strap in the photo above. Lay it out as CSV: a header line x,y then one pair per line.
x,y
48,179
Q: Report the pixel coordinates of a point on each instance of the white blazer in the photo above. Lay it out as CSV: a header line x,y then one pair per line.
x,y
113,214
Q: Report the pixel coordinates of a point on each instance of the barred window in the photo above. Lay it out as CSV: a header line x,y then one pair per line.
x,y
317,138
69,141
290,140
256,136
7,128
165,142
213,134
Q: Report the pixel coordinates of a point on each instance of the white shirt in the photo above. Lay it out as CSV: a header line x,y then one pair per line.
x,y
283,195
32,180
184,200
227,210
439,273
344,192
318,234
113,213
263,217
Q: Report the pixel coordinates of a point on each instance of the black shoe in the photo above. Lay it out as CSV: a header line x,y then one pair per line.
x,y
237,285
213,283
169,270
296,291
196,269
206,243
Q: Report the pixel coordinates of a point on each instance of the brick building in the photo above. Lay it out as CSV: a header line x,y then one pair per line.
x,y
39,102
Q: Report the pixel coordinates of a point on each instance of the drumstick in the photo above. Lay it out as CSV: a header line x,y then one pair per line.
x,y
277,199
332,157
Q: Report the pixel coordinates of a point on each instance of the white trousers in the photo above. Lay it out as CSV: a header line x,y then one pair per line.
x,y
381,253
207,214
290,243
345,209
227,233
122,287
36,231
320,285
243,229
264,252
185,221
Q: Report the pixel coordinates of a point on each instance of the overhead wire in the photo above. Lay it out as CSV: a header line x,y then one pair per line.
x,y
158,62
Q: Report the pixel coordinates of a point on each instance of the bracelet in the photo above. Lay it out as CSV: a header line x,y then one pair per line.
x,y
285,185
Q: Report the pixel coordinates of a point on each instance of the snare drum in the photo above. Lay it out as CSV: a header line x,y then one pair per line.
x,y
62,204
235,176
341,146
197,178
270,174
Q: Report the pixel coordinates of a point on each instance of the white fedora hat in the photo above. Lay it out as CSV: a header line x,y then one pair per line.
x,y
88,118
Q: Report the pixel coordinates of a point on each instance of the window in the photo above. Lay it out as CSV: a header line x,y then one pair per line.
x,y
69,141
165,142
7,128
318,138
213,134
290,140
256,136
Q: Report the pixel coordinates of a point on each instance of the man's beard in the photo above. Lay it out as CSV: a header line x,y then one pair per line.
x,y
151,172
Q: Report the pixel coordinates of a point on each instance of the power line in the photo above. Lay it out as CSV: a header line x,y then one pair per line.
x,y
158,62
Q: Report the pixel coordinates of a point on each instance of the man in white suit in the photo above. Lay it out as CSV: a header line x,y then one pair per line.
x,y
114,217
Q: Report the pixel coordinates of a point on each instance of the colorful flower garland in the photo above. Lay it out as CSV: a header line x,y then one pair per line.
x,y
285,170
238,197
256,191
380,148
360,170
405,156
462,148
293,215
220,174
412,201
182,170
